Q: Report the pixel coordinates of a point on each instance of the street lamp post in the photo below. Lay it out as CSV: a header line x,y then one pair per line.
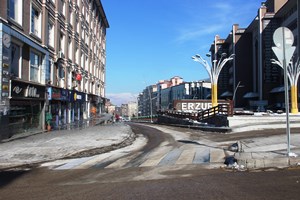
x,y
235,90
293,73
151,106
214,72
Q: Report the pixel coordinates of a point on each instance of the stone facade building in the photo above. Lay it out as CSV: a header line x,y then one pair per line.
x,y
52,60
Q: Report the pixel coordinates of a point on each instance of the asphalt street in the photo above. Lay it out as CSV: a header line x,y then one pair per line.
x,y
259,148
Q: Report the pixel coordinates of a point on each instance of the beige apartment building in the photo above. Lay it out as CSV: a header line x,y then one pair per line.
x,y
52,63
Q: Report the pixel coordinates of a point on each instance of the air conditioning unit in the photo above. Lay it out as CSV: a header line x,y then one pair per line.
x,y
61,54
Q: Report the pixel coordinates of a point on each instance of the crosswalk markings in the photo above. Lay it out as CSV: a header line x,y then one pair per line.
x,y
155,157
171,157
165,155
93,161
201,156
122,161
186,157
217,155
73,163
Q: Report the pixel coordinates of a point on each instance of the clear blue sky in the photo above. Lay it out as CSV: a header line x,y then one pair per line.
x,y
152,40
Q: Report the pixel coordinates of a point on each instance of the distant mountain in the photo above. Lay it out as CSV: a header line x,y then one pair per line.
x,y
121,98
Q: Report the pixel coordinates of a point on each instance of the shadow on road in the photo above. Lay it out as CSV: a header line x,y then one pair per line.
x,y
7,177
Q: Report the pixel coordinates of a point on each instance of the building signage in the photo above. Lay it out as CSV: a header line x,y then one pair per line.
x,y
64,95
185,105
5,67
58,94
53,93
26,90
77,96
31,91
194,105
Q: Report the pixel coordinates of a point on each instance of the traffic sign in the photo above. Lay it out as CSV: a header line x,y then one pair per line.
x,y
283,39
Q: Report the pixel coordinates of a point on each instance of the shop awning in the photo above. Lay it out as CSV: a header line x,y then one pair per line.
x,y
208,96
278,89
226,94
250,95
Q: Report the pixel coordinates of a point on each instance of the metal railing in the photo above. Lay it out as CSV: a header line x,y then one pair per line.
x,y
221,109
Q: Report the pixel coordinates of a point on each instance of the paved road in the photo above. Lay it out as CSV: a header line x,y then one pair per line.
x,y
151,148
172,165
162,182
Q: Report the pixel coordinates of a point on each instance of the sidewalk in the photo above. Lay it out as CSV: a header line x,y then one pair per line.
x,y
270,151
54,145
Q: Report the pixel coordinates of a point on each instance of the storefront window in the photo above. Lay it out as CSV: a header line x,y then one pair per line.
x,y
55,113
76,111
24,115
63,112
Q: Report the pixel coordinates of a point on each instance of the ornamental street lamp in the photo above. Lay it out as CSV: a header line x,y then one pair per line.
x,y
293,72
235,90
213,72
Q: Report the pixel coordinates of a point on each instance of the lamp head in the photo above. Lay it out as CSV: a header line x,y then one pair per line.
x,y
223,54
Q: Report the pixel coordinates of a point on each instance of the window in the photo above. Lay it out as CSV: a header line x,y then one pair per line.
x,y
90,67
35,62
94,69
82,11
76,54
86,39
61,72
15,60
70,50
86,67
49,72
87,17
62,43
15,10
77,26
63,7
82,59
50,34
70,15
69,78
86,85
35,22
82,32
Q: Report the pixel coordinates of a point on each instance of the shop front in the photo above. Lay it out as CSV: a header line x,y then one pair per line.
x,y
26,107
77,106
95,105
58,107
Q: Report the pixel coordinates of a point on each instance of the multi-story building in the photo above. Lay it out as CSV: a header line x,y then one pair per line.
x,y
251,76
52,60
147,101
184,90
129,109
164,93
